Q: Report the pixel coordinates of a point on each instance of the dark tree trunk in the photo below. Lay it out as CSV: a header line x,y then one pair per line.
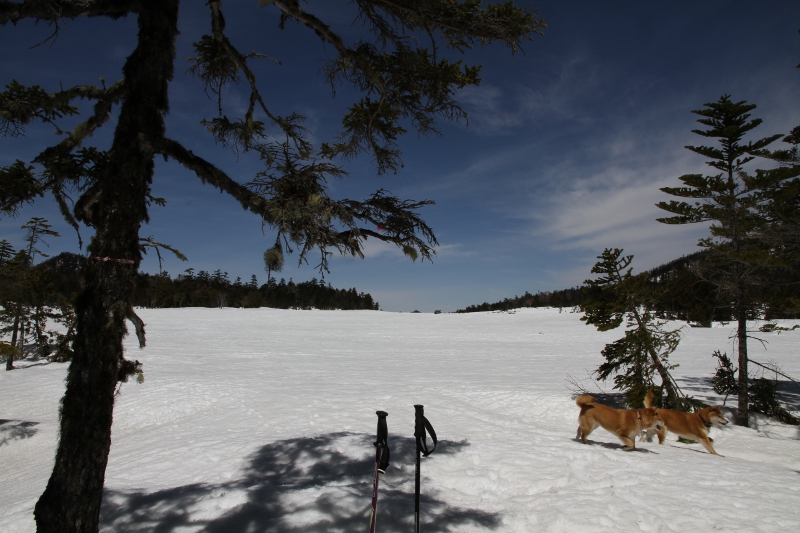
x,y
74,492
116,207
743,414
15,332
39,324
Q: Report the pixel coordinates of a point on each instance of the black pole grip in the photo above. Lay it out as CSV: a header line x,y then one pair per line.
x,y
382,440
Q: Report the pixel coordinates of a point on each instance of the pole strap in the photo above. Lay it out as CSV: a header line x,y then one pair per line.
x,y
422,428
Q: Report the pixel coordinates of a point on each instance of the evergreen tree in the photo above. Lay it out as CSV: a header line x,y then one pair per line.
x,y
403,77
618,296
9,280
25,312
729,201
779,207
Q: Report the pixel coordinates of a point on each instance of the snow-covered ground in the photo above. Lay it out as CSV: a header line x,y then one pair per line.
x,y
263,420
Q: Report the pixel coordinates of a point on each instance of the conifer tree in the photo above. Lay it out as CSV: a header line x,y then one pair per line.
x,y
779,204
9,279
404,79
618,296
730,201
23,316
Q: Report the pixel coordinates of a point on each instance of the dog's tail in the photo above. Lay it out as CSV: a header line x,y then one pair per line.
x,y
648,400
584,399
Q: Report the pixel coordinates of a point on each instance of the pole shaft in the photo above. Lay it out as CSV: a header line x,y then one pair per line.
x,y
416,495
374,516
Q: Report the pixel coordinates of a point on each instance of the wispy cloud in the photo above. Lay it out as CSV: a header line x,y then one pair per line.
x,y
558,92
377,248
611,201
489,111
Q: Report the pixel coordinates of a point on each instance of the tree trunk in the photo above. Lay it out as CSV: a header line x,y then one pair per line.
x,y
116,207
743,414
71,501
14,333
673,399
39,324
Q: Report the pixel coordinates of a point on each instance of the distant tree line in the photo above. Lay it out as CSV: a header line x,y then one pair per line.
x,y
36,300
676,291
215,289
560,298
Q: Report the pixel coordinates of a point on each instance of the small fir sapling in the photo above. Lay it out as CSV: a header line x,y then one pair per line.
x,y
618,296
762,392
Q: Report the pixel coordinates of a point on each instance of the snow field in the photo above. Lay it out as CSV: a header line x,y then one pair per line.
x,y
263,420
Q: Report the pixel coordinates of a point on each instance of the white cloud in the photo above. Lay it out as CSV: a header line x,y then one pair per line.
x,y
488,115
555,94
454,251
615,207
377,248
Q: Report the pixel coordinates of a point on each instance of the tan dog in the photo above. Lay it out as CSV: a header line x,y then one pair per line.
x,y
624,423
692,426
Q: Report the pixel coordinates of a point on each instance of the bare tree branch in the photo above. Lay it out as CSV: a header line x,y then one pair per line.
x,y
773,369
138,325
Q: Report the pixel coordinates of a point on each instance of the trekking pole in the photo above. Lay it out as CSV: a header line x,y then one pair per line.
x,y
381,463
421,425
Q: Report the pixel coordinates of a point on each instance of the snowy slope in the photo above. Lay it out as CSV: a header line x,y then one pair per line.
x,y
263,419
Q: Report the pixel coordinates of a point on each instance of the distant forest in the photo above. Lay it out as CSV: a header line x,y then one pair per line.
x,y
205,289
676,292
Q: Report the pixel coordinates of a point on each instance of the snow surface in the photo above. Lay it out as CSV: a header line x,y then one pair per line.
x,y
263,420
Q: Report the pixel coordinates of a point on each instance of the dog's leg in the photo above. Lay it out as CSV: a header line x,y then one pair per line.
x,y
584,429
584,432
662,434
629,444
705,442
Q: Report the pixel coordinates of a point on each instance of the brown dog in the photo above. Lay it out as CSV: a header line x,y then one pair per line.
x,y
624,423
692,426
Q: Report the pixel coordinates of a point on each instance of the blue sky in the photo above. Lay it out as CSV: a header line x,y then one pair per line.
x,y
565,150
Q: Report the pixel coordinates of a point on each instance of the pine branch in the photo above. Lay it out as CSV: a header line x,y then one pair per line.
x,y
18,185
150,242
461,23
53,11
291,8
238,60
208,173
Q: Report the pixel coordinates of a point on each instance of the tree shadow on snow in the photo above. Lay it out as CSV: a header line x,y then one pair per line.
x,y
314,484
788,392
611,399
16,430
700,388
